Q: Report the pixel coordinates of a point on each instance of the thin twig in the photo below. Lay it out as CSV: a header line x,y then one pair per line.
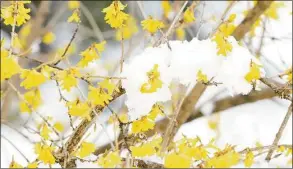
x,y
122,53
157,43
15,147
223,17
280,131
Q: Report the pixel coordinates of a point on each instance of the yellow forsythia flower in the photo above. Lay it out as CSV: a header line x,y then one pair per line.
x,y
74,17
115,16
156,110
14,164
128,30
142,125
86,149
249,159
111,160
226,160
180,33
59,126
73,4
32,100
254,73
49,38
154,82
45,132
174,160
201,77
68,79
223,45
9,65
220,37
152,25
17,10
98,96
32,78
289,75
188,15
167,8
147,149
32,165
272,11
16,42
91,53
147,122
80,109
44,153
109,86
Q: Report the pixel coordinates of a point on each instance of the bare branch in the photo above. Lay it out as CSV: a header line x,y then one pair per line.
x,y
279,133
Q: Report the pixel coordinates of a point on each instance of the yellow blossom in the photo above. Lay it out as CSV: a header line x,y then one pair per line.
x,y
272,12
201,77
254,73
174,160
289,75
109,86
44,153
80,109
98,96
14,164
32,100
167,8
188,15
223,45
147,149
115,16
226,160
128,30
180,33
49,38
25,30
152,25
45,132
249,159
58,126
68,77
17,10
154,83
9,66
142,125
32,78
111,160
91,53
156,110
16,42
73,4
74,17
32,165
86,149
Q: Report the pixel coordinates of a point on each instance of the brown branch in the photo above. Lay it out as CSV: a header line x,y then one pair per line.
x,y
74,140
229,102
279,133
250,19
282,91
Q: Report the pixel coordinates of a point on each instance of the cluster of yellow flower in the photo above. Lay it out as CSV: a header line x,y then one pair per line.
x,y
220,37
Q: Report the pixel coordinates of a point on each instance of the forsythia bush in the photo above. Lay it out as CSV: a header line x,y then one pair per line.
x,y
146,81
